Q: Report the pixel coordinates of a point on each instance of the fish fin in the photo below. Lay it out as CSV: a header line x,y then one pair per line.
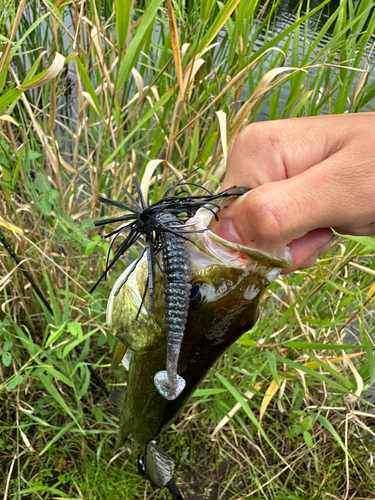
x,y
126,359
117,400
118,356
158,465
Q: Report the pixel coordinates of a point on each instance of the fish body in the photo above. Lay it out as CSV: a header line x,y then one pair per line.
x,y
227,281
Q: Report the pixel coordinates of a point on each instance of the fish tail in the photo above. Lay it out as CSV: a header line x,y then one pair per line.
x,y
118,356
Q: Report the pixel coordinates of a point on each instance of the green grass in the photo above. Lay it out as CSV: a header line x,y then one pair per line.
x,y
77,129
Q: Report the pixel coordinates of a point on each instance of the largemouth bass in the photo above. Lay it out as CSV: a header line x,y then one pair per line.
x,y
226,282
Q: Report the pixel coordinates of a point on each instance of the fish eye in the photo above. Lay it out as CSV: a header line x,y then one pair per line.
x,y
195,294
194,291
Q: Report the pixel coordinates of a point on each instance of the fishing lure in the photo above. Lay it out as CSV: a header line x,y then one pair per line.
x,y
227,282
162,225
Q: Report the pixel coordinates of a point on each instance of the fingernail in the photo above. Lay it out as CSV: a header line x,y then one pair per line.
x,y
324,248
225,229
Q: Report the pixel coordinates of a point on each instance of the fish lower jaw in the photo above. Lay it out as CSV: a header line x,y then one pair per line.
x,y
167,389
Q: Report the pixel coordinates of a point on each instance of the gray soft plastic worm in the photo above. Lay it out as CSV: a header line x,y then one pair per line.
x,y
176,268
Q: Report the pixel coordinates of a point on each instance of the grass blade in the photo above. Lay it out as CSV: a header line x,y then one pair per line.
x,y
123,14
175,47
248,411
137,42
220,20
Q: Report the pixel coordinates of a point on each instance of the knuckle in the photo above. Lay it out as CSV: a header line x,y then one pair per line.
x,y
251,136
264,215
260,141
253,149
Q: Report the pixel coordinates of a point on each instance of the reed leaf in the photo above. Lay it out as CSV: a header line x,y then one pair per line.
x,y
123,16
175,46
220,20
137,42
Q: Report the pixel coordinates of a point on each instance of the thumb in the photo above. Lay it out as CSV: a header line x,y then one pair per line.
x,y
274,214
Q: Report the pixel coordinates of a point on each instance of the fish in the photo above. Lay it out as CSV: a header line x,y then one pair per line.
x,y
225,282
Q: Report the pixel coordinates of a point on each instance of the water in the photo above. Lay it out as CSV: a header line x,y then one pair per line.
x,y
286,16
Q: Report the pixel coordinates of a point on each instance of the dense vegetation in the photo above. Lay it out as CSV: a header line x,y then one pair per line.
x,y
93,91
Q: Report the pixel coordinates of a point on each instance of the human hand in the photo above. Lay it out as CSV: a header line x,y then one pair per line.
x,y
307,175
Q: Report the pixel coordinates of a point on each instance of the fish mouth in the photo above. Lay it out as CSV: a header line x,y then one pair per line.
x,y
212,243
